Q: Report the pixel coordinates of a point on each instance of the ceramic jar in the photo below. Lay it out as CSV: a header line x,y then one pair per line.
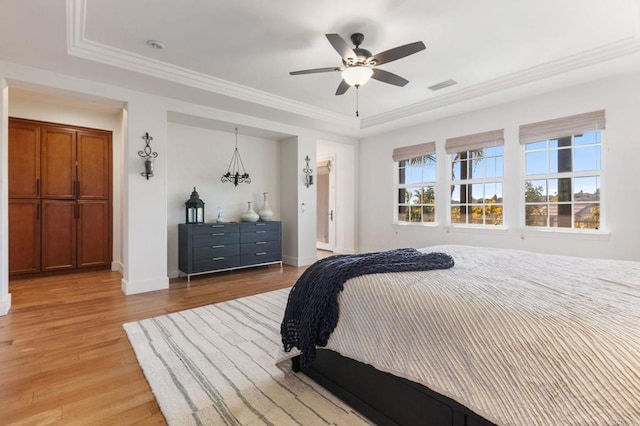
x,y
265,213
249,215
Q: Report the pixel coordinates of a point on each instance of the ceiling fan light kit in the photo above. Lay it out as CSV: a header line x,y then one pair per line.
x,y
357,75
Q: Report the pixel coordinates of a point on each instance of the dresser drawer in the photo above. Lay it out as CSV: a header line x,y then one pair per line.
x,y
259,246
222,262
261,231
216,238
209,252
210,228
256,257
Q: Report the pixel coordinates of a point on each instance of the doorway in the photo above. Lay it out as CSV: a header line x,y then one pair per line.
x,y
326,195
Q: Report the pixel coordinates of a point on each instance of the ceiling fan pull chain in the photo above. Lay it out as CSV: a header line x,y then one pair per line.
x,y
357,101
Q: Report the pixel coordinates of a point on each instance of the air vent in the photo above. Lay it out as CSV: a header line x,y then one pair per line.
x,y
155,44
442,85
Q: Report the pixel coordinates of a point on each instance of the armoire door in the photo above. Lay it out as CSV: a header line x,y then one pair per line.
x,y
94,165
94,229
58,235
24,236
58,167
24,159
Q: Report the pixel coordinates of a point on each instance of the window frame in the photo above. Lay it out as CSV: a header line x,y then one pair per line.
x,y
422,184
452,182
599,173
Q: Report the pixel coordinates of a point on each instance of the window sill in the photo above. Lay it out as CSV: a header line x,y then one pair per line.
x,y
472,228
564,233
414,225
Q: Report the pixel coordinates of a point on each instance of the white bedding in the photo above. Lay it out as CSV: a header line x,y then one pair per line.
x,y
520,338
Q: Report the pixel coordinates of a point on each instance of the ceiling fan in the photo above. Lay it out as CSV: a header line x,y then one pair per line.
x,y
359,64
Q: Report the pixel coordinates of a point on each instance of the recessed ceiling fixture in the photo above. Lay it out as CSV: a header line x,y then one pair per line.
x,y
359,65
155,44
443,85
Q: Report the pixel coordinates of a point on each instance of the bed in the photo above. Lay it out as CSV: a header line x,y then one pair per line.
x,y
505,336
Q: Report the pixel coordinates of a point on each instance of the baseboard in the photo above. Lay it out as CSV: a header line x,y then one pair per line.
x,y
342,250
173,273
117,267
299,261
5,304
136,287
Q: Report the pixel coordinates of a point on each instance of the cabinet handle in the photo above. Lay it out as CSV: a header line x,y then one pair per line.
x,y
260,232
217,258
217,246
261,224
217,226
262,253
38,212
38,186
261,242
217,234
78,188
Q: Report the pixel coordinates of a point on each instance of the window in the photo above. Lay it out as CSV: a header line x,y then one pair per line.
x,y
476,179
415,185
563,172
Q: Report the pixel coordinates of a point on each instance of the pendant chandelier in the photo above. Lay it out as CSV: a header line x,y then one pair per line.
x,y
234,174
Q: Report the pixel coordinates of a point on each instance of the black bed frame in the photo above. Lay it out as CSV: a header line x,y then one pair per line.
x,y
383,398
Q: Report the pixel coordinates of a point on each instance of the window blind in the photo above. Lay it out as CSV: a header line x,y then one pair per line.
x,y
562,127
475,141
324,167
413,151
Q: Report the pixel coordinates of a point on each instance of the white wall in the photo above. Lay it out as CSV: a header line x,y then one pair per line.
x,y
144,211
199,157
298,202
620,186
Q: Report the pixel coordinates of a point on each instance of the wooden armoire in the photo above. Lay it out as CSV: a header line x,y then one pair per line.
x,y
60,197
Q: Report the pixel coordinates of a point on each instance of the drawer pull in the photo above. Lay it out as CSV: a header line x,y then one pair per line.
x,y
217,226
261,224
220,246
217,258
261,242
262,253
215,234
260,232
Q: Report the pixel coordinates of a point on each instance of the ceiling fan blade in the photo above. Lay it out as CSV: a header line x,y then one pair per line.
x,y
398,52
341,46
315,70
388,77
342,87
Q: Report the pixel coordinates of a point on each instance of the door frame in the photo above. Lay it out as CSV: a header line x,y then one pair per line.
x,y
331,233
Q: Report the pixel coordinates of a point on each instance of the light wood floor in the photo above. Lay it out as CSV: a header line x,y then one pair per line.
x,y
65,358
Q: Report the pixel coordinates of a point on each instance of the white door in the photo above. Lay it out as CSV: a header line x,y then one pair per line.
x,y
326,193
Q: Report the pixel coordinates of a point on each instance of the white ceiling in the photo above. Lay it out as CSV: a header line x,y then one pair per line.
x,y
238,54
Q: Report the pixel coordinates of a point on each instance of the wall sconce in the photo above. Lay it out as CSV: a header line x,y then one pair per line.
x,y
148,156
308,177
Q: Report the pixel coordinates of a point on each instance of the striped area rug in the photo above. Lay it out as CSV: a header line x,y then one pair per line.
x,y
215,365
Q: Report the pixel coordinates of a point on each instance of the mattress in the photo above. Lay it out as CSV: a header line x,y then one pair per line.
x,y
520,338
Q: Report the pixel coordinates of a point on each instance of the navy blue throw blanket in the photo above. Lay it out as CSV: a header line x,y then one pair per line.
x,y
312,310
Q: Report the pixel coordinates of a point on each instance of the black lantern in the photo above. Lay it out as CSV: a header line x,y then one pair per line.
x,y
195,208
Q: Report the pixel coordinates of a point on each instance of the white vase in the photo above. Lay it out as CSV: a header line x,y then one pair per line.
x,y
249,215
265,213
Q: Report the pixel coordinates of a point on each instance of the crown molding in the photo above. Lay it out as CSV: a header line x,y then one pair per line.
x,y
587,58
78,45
